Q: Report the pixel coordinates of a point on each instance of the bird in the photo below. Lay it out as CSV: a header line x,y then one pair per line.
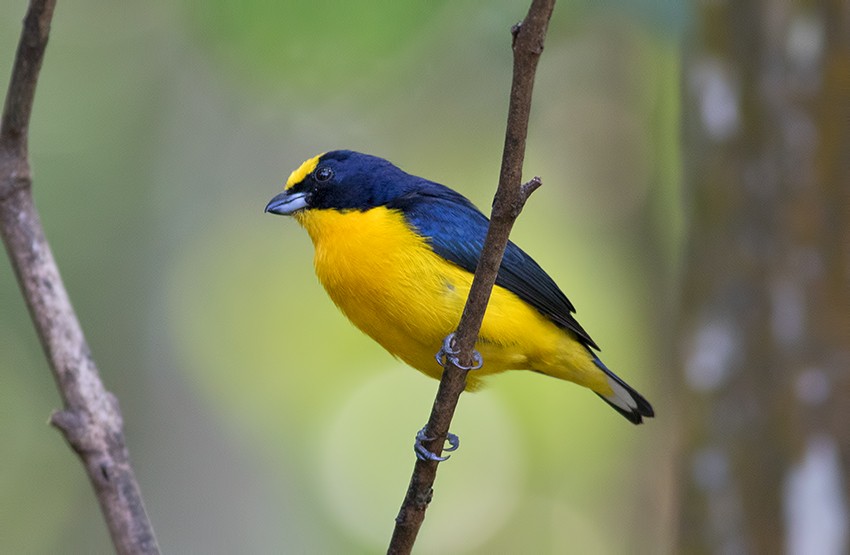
x,y
397,253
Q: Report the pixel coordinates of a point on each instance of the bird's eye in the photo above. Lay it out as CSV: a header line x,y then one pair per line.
x,y
324,174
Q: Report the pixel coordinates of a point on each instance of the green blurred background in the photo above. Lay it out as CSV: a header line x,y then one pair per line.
x,y
259,420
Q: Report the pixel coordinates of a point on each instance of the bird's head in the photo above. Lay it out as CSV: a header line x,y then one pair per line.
x,y
341,180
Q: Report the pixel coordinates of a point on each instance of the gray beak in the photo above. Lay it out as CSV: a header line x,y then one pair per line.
x,y
286,203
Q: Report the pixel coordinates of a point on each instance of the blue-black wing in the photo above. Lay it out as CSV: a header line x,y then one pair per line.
x,y
456,229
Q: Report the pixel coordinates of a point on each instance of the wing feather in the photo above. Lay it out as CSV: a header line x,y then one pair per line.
x,y
456,229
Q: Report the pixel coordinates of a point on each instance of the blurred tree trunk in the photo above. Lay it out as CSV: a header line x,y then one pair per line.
x,y
765,322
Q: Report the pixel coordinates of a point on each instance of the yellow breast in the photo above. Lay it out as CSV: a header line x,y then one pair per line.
x,y
390,284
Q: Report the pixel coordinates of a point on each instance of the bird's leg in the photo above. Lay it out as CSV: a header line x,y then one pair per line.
x,y
448,353
424,454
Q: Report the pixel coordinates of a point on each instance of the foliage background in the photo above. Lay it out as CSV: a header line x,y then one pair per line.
x,y
258,419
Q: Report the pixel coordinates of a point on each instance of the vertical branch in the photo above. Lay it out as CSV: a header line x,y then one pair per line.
x,y
528,38
91,420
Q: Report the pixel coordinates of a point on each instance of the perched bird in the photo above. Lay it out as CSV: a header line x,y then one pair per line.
x,y
397,253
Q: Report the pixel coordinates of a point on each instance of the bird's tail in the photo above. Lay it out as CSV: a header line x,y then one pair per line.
x,y
623,398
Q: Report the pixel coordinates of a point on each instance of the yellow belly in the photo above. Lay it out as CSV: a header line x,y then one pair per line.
x,y
391,285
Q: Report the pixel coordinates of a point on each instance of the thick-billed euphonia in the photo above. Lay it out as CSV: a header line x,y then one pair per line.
x,y
396,253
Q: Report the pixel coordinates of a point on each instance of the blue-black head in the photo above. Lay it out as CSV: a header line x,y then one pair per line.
x,y
348,180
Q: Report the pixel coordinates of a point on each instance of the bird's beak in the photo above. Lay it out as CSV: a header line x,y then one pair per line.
x,y
286,203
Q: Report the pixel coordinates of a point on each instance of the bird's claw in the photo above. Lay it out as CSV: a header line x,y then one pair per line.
x,y
424,454
448,353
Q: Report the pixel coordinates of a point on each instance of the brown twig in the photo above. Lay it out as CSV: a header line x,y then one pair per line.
x,y
528,38
90,420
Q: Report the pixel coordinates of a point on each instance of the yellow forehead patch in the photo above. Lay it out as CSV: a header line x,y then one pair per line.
x,y
303,171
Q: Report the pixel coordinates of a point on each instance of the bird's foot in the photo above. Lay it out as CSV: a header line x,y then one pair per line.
x,y
448,353
424,454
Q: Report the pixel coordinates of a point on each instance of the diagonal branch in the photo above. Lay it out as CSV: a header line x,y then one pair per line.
x,y
90,420
528,38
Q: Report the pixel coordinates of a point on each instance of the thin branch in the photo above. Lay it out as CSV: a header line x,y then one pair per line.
x,y
528,38
90,420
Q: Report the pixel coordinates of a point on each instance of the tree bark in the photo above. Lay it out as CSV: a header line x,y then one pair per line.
x,y
765,323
